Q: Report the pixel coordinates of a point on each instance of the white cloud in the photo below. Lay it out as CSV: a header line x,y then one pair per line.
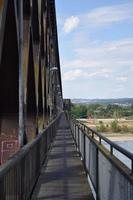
x,y
98,17
87,56
78,63
110,14
74,74
122,79
112,55
131,68
70,24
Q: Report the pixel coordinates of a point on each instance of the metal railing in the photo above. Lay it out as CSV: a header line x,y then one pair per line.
x,y
20,173
111,179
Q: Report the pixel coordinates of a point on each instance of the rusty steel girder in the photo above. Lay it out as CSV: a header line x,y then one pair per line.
x,y
29,67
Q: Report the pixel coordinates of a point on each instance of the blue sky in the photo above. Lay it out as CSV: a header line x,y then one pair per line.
x,y
96,48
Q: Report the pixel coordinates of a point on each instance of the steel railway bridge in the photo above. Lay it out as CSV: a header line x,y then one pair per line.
x,y
45,153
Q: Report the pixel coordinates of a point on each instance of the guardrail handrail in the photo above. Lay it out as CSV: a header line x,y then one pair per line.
x,y
112,144
24,167
110,178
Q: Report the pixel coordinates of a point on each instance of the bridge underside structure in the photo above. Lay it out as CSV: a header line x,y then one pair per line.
x,y
30,79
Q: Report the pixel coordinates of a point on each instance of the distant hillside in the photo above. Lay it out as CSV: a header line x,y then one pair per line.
x,y
121,101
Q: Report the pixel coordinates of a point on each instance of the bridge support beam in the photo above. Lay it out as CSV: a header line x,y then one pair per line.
x,y
28,55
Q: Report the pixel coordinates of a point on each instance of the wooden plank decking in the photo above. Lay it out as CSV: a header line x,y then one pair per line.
x,y
63,176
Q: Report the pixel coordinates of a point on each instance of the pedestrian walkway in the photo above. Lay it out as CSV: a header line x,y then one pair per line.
x,y
63,176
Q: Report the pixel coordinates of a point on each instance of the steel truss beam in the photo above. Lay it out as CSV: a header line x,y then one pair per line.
x,y
30,79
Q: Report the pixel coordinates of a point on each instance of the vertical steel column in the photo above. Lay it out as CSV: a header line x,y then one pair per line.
x,y
22,134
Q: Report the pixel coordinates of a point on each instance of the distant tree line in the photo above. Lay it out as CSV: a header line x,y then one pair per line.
x,y
102,111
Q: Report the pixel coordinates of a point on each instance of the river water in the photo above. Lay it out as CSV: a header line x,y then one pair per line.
x,y
128,145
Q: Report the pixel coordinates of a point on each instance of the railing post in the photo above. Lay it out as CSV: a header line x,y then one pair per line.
x,y
84,150
132,167
97,174
73,128
78,137
84,145
75,132
111,150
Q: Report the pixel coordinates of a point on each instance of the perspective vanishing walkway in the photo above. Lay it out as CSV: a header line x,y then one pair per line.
x,y
62,176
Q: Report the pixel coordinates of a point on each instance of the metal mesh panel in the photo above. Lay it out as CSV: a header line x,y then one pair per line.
x,y
82,145
113,185
91,160
76,134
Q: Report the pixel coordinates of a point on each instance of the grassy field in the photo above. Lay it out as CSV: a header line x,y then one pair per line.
x,y
107,122
124,127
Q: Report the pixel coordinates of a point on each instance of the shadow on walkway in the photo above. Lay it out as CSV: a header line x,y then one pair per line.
x,y
63,177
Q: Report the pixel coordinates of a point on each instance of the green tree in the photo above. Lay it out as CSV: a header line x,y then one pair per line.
x,y
79,111
115,127
101,127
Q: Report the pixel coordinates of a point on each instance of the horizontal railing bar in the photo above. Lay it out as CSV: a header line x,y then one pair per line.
x,y
101,163
115,146
23,151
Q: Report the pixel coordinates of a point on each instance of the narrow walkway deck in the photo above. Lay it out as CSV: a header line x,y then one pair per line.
x,y
63,176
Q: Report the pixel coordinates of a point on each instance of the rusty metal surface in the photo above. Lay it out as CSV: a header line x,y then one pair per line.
x,y
20,173
1,9
28,50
